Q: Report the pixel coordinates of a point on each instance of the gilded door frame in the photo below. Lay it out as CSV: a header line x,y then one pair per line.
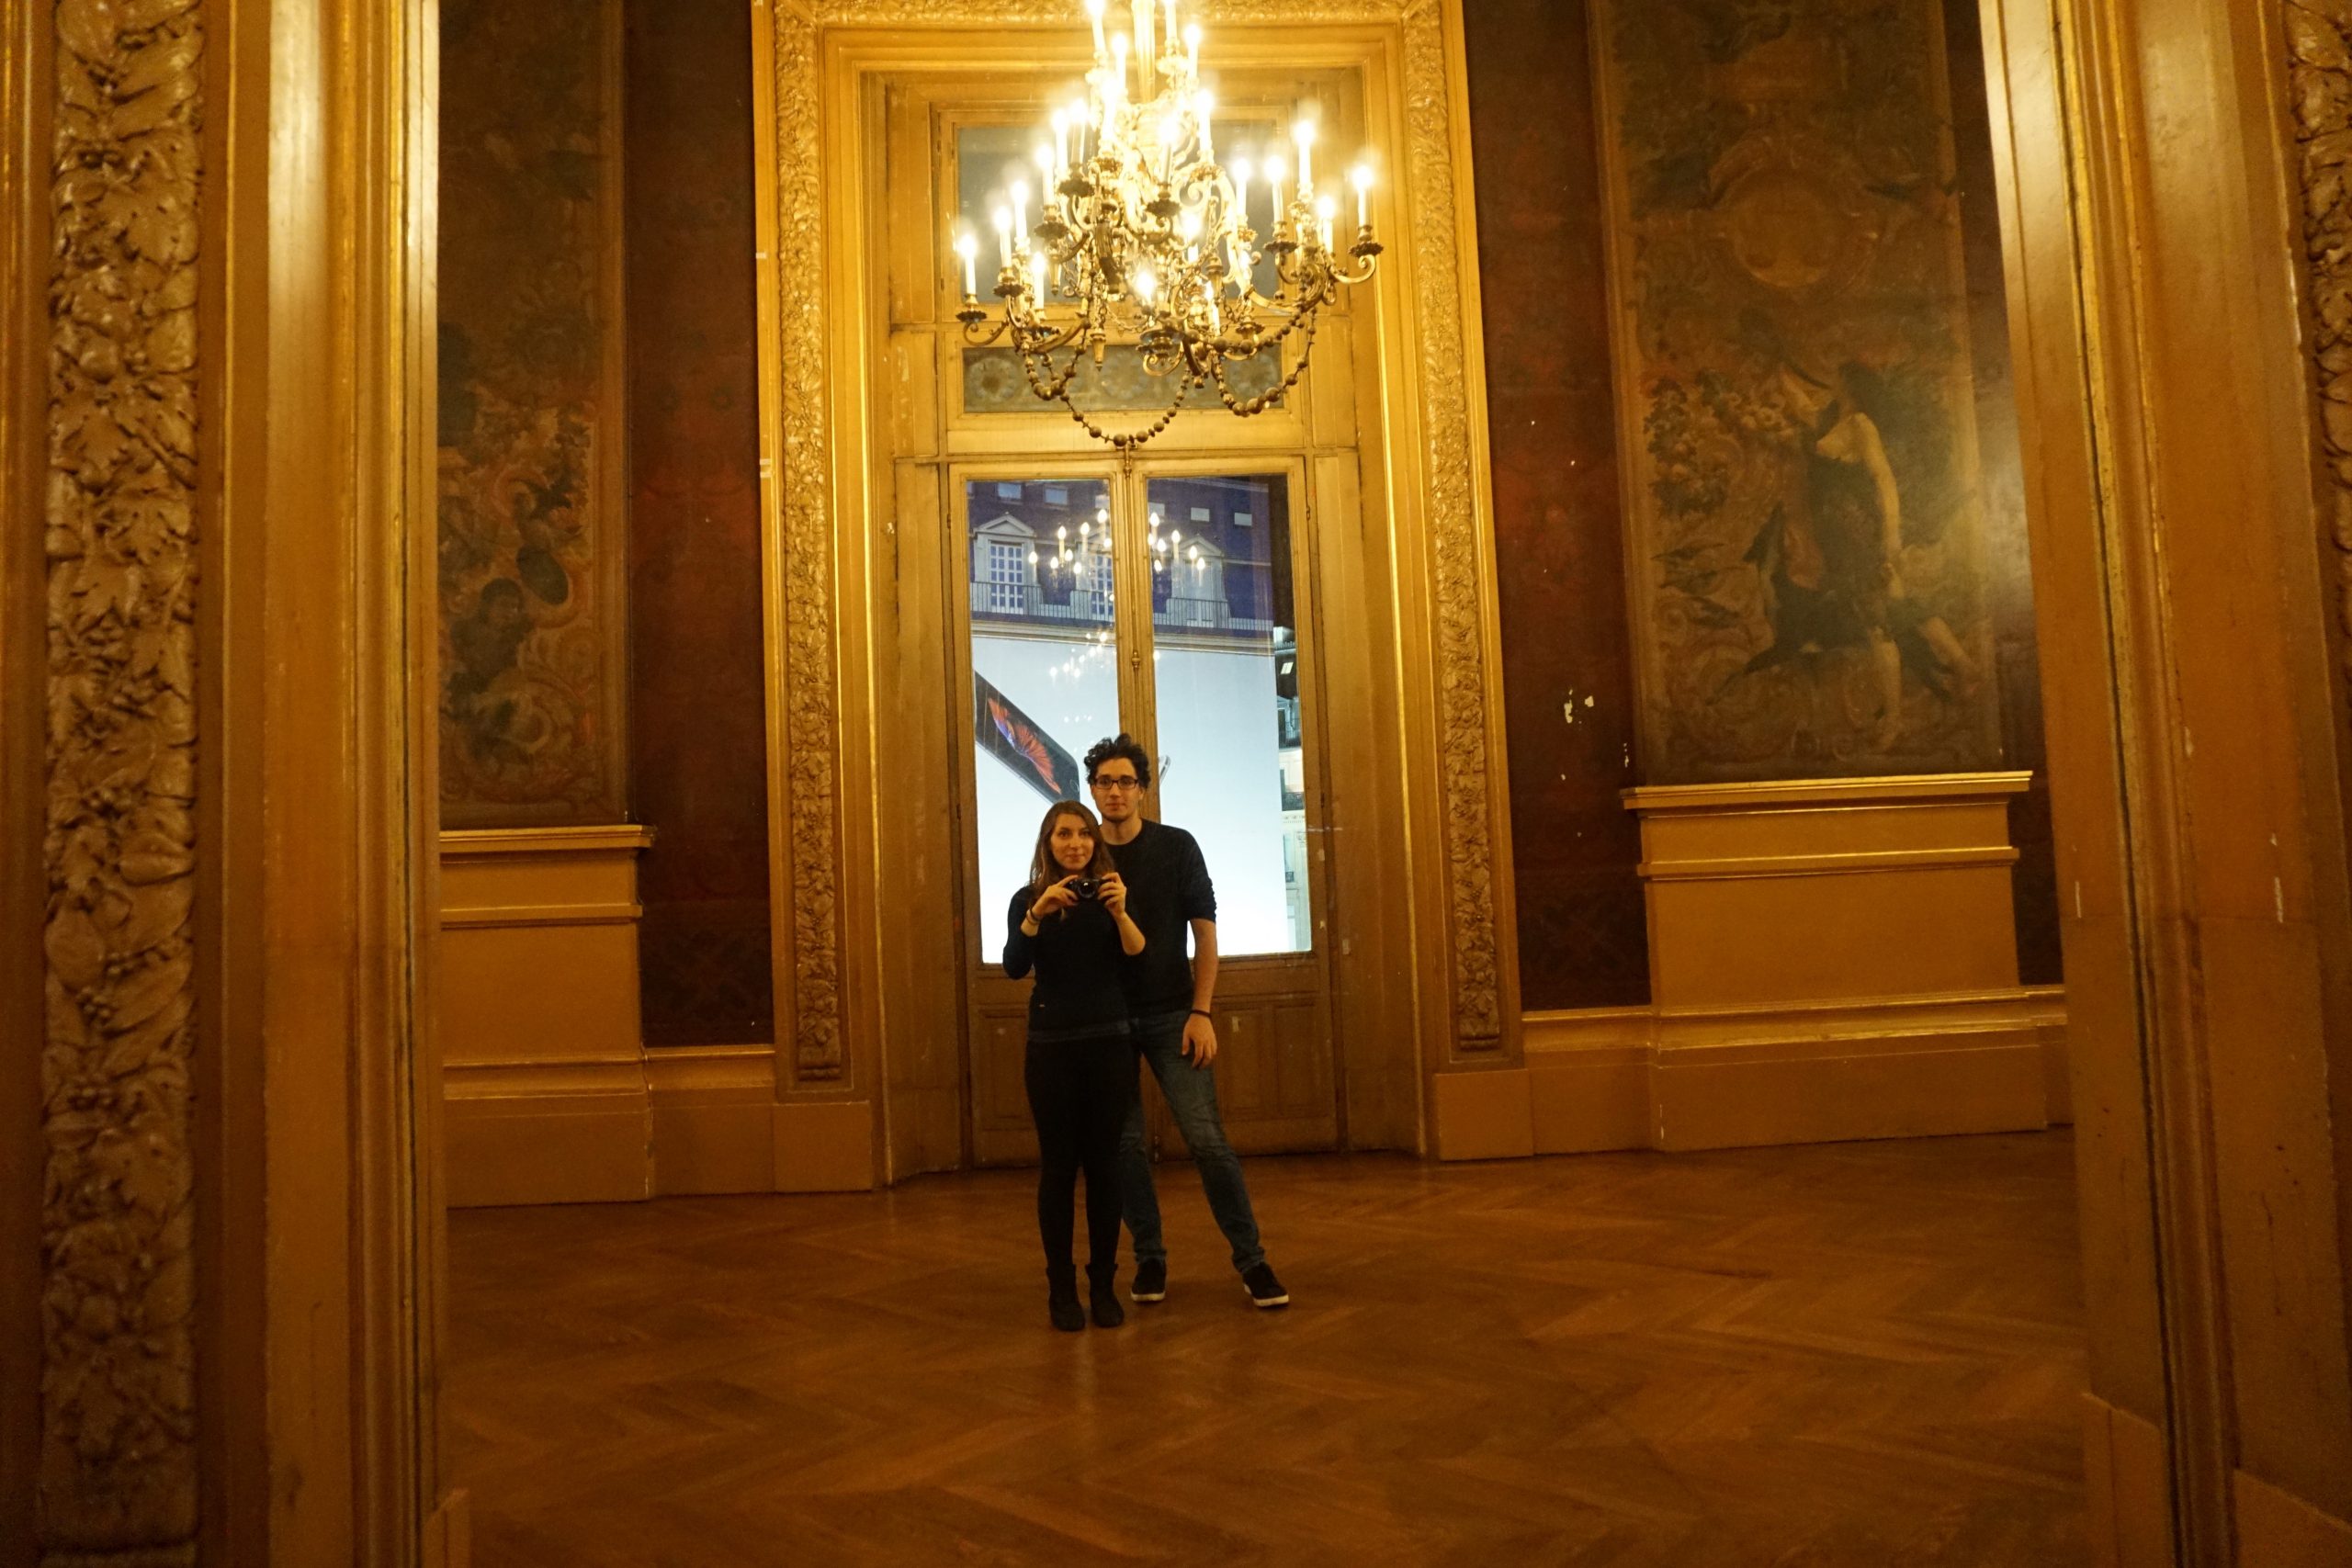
x,y
826,532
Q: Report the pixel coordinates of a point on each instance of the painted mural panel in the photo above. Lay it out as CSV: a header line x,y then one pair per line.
x,y
532,571
1804,527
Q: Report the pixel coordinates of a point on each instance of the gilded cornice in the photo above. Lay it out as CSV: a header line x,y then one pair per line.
x,y
1455,524
117,1465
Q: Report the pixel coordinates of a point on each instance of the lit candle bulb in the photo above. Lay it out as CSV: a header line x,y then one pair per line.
x,y
967,247
1203,107
1004,233
1020,194
1046,180
1241,172
1094,14
1303,133
1274,179
1172,34
1037,272
1119,62
1326,208
1145,285
1060,170
1363,180
1193,49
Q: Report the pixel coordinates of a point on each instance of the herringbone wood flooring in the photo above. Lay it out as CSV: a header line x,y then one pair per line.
x,y
1862,1355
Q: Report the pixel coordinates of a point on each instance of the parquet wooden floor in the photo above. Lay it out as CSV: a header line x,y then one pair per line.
x,y
1861,1354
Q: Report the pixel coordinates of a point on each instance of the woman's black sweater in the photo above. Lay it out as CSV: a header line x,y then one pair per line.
x,y
1077,959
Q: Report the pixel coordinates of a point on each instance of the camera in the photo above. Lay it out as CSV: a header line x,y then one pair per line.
x,y
1087,887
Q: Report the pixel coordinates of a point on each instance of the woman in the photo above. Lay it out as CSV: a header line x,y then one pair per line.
x,y
1070,926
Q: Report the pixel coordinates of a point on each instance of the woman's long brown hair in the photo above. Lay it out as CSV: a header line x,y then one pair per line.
x,y
1044,869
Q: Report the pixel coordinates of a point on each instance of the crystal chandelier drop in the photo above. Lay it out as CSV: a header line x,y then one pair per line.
x,y
1141,235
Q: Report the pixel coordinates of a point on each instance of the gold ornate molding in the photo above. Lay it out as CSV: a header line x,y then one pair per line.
x,y
811,712
1455,527
119,1463
2320,65
1451,496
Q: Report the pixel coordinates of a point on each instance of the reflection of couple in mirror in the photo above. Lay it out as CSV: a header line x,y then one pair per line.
x,y
1103,924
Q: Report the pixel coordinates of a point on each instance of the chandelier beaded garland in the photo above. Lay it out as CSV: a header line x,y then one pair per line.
x,y
1141,235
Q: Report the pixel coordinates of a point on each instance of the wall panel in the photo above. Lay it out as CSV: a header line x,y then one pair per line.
x,y
1568,671
698,757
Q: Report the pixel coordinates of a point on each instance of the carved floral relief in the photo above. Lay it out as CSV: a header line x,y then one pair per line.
x,y
532,572
2320,62
117,1458
1800,403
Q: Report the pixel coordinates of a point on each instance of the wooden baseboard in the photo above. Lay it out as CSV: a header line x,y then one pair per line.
x,y
546,1132
449,1534
1641,1078
714,1119
824,1145
1483,1116
2127,1490
2278,1530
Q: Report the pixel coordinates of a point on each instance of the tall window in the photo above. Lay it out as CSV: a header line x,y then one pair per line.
x,y
1008,578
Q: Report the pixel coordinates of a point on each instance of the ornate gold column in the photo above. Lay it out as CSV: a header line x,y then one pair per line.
x,y
211,798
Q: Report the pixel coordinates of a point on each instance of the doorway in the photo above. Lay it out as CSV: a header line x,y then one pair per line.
x,y
1166,603
1043,595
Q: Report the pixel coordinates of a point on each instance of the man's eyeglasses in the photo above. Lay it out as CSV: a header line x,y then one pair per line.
x,y
1116,782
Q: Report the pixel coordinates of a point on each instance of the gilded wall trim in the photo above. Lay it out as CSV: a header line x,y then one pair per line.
x,y
117,1478
2320,65
812,716
1434,130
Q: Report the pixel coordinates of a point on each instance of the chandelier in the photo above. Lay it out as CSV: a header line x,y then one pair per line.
x,y
1141,235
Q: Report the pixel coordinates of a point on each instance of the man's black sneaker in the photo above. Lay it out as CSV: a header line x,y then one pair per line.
x,y
1151,1280
1061,1306
1108,1312
1265,1290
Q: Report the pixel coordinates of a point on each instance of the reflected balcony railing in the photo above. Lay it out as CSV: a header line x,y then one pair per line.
x,y
1177,612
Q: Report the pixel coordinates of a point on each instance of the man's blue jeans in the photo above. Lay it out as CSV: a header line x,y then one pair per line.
x,y
1190,1093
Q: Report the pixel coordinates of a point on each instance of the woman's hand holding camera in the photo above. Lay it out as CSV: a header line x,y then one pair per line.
x,y
1076,888
1061,896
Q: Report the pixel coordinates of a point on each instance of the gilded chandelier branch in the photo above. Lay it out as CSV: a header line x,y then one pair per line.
x,y
1143,236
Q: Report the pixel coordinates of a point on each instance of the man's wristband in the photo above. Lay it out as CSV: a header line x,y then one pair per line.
x,y
1203,1012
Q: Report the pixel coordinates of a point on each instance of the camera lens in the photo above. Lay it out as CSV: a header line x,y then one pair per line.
x,y
1086,888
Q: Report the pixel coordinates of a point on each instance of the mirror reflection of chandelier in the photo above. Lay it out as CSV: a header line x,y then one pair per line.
x,y
1141,235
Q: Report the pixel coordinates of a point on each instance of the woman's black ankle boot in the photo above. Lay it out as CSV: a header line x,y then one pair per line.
x,y
1061,1302
1108,1312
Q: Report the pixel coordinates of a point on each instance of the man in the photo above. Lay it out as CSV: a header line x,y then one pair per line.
x,y
1171,999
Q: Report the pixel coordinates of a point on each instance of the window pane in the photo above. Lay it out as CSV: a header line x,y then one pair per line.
x,y
1045,666
1226,653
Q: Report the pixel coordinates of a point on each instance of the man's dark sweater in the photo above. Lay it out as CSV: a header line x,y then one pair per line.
x,y
1168,888
1079,961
